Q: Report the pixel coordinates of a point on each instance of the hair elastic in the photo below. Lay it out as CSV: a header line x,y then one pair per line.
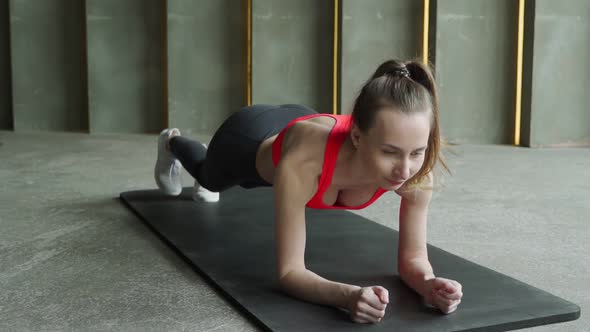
x,y
400,72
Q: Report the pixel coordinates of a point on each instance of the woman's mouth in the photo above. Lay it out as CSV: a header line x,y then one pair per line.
x,y
395,183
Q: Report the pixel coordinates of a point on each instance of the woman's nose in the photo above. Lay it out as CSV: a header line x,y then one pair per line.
x,y
402,171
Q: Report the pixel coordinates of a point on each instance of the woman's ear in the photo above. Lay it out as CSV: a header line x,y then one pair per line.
x,y
355,135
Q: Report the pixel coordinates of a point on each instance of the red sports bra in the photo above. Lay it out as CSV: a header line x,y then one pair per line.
x,y
338,135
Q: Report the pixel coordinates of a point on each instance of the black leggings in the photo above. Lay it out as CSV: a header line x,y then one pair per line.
x,y
230,158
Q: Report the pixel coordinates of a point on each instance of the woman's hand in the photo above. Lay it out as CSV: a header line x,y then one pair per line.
x,y
444,294
367,305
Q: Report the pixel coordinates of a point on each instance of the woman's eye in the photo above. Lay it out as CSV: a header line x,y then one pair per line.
x,y
414,154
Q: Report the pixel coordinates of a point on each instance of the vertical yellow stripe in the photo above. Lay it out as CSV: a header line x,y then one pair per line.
x,y
164,27
425,32
84,53
518,110
335,60
249,52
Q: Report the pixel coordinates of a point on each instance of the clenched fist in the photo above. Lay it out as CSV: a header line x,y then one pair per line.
x,y
368,304
444,294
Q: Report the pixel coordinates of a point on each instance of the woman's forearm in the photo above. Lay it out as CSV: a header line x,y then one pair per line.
x,y
415,273
308,286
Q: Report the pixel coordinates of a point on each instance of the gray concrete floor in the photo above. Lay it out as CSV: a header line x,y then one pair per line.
x,y
73,258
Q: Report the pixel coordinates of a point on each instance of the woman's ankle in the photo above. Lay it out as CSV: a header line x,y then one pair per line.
x,y
173,133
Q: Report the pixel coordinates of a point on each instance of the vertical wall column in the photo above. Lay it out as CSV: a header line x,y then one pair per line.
x,y
6,121
556,74
292,55
46,43
475,58
206,62
374,31
125,61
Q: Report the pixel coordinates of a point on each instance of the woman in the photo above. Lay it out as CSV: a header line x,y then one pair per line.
x,y
390,142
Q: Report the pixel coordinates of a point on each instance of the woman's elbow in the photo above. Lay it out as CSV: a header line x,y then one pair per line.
x,y
289,277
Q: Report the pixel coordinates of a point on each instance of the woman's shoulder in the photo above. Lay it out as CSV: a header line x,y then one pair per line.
x,y
303,132
306,140
419,193
319,121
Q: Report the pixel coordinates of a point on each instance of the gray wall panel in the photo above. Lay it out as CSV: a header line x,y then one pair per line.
x,y
374,31
47,65
560,74
292,53
475,60
125,65
206,63
139,65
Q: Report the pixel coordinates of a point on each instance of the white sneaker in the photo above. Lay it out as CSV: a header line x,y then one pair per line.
x,y
201,194
167,169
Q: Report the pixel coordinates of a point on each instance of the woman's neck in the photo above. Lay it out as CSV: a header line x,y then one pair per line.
x,y
350,172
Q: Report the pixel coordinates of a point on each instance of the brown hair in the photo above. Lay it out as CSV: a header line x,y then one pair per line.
x,y
407,87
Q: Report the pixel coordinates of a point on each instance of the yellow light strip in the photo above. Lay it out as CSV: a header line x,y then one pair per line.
x,y
164,29
425,32
335,60
249,52
518,110
84,52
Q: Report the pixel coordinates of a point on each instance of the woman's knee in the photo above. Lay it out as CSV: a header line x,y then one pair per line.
x,y
213,179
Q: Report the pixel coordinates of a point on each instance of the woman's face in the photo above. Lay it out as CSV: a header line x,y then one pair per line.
x,y
394,148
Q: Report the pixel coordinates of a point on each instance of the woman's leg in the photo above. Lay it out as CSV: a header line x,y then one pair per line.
x,y
193,156
191,153
230,158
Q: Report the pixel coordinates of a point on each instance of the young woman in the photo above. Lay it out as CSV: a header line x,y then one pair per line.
x,y
390,142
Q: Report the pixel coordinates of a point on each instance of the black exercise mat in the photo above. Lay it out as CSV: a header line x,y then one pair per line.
x,y
231,244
